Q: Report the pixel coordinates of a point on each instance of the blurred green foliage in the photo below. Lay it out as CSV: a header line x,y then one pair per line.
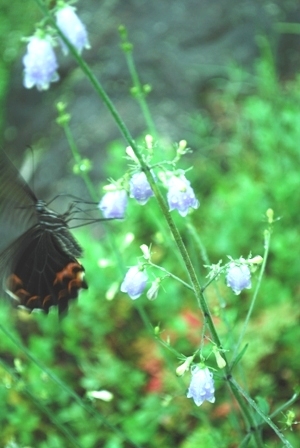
x,y
247,160
12,30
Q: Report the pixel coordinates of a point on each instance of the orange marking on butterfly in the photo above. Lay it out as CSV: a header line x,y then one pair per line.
x,y
70,271
15,288
72,274
32,299
46,299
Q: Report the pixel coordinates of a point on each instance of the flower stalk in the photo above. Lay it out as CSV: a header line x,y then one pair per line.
x,y
201,301
246,404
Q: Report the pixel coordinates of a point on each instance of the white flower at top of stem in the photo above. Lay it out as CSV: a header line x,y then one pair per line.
x,y
72,28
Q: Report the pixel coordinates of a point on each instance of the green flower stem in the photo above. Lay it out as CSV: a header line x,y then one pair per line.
x,y
212,279
77,158
260,277
138,90
173,229
126,134
168,274
197,239
253,429
285,405
64,123
200,246
89,74
265,418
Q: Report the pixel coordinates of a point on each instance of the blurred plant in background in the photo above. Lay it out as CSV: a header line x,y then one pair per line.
x,y
117,372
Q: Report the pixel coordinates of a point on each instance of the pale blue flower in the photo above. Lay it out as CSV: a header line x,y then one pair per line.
x,y
180,195
134,282
201,386
73,29
40,64
238,277
140,188
113,204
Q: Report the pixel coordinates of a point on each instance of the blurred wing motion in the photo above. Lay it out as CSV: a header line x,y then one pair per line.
x,y
38,253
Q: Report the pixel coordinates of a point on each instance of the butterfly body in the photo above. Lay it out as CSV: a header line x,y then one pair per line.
x,y
38,266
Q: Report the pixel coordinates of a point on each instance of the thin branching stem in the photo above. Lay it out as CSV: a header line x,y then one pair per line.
x,y
246,404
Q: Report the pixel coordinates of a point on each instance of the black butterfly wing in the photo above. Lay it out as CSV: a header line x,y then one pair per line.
x,y
17,203
43,273
38,266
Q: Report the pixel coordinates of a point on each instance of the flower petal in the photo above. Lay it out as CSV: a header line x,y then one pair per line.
x,y
71,26
140,188
134,282
181,196
238,277
201,386
40,64
113,204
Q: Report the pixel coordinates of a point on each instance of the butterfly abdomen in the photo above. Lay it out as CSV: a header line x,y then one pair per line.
x,y
49,221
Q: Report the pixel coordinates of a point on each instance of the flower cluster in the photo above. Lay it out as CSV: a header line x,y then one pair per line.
x,y
114,202
180,195
40,62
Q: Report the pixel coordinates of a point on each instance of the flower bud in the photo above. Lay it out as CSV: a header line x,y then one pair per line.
x,y
103,395
149,141
129,151
157,330
182,147
221,363
270,215
184,367
154,288
146,251
256,260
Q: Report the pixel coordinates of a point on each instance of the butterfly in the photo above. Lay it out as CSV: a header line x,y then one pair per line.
x,y
39,264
